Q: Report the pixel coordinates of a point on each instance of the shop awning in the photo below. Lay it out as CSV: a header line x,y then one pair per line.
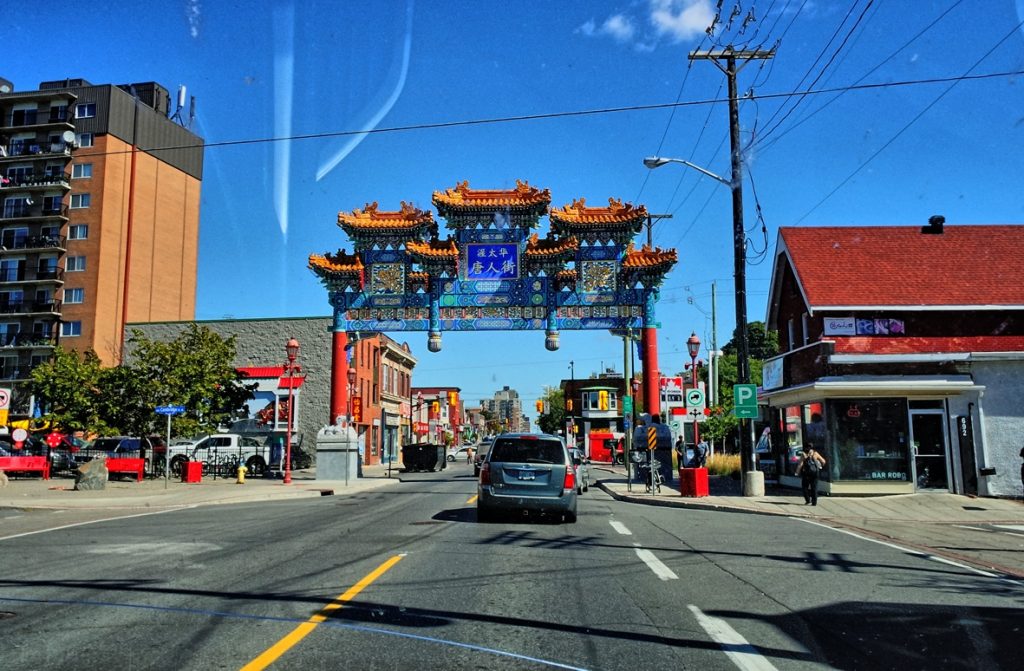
x,y
861,386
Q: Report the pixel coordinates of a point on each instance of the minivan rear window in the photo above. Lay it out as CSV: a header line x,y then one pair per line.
x,y
528,451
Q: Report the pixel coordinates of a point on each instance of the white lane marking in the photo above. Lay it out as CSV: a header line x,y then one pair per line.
x,y
1015,527
964,526
620,527
915,553
736,648
82,524
653,563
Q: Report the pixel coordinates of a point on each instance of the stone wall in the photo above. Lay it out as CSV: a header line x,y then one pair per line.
x,y
260,342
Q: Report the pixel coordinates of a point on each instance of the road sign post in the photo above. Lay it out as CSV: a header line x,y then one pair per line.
x,y
170,411
745,401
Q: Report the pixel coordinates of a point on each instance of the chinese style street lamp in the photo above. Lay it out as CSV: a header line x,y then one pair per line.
x,y
693,347
351,390
292,350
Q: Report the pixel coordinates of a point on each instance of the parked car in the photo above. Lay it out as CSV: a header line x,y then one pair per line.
x,y
527,473
582,465
458,453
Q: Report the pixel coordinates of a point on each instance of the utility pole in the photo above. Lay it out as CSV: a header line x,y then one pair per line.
x,y
651,218
730,56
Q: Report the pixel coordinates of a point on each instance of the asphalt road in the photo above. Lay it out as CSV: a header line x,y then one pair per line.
x,y
406,578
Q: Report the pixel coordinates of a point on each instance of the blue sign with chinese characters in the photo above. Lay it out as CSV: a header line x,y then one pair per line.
x,y
492,261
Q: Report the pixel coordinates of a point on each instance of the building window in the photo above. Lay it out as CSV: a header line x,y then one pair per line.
x,y
78,232
790,332
70,329
74,296
805,324
75,264
81,171
869,439
85,110
80,200
84,139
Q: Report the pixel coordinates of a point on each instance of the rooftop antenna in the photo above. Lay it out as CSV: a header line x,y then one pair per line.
x,y
192,112
181,103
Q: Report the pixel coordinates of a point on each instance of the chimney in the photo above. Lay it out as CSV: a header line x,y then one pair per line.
x,y
934,226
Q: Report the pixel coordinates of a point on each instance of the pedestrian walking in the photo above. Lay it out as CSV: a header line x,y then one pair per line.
x,y
469,455
809,469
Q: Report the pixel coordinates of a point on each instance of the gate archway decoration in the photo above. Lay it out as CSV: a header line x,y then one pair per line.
x,y
494,272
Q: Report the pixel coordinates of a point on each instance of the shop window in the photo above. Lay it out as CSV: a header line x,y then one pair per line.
x,y
868,439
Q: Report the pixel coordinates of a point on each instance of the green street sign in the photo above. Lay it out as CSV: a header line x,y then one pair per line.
x,y
627,405
745,401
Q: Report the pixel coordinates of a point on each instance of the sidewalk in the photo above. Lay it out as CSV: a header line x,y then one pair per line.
x,y
726,496
58,493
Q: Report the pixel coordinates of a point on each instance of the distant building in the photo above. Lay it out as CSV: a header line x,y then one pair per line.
x,y
437,415
597,429
506,408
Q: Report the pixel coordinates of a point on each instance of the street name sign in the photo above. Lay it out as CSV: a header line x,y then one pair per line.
x,y
170,409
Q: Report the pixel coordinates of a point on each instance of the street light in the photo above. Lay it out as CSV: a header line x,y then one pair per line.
x,y
739,240
292,350
693,347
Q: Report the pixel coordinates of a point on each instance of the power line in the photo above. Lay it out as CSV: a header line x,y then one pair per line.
x,y
569,114
910,123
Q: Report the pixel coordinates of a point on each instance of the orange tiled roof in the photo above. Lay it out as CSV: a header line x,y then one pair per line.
x,y
550,246
434,248
647,257
336,263
616,213
418,277
463,197
371,218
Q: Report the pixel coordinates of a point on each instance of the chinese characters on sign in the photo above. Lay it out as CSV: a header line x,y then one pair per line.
x,y
492,261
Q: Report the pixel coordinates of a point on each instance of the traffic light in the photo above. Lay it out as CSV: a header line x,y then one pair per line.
x,y
568,404
453,398
539,405
575,428
602,400
435,407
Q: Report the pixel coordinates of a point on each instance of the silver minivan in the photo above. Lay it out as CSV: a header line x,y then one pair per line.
x,y
527,473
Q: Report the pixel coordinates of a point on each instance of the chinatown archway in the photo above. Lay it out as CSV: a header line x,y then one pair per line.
x,y
494,273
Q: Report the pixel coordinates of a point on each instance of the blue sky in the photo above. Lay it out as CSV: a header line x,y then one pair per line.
x,y
265,70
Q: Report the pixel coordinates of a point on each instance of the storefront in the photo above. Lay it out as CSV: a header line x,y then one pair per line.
x,y
878,436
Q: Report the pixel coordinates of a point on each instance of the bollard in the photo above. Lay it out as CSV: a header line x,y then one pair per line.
x,y
242,470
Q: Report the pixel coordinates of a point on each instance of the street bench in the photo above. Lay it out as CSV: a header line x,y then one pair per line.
x,y
126,465
26,464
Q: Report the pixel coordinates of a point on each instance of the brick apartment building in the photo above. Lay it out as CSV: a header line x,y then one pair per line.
x,y
99,226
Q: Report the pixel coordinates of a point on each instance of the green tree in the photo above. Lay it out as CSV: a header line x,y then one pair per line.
x,y
761,343
553,421
195,370
67,390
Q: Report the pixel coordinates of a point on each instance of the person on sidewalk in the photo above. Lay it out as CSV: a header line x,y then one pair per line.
x,y
809,469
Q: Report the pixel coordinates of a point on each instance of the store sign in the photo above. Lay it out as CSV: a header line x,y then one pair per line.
x,y
492,261
880,327
771,373
357,409
840,326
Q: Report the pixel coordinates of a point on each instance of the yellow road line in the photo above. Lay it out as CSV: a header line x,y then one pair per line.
x,y
472,500
271,654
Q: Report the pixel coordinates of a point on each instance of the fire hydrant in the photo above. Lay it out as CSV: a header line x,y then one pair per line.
x,y
242,470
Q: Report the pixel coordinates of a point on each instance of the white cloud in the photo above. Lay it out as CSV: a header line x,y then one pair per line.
x,y
192,12
620,27
588,28
681,19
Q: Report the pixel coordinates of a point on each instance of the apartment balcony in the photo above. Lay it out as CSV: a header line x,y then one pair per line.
x,y
34,243
28,340
30,308
25,120
36,182
19,149
34,211
16,371
38,275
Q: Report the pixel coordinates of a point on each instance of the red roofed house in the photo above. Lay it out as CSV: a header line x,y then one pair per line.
x,y
902,355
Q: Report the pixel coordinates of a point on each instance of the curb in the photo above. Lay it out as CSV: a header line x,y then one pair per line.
x,y
686,502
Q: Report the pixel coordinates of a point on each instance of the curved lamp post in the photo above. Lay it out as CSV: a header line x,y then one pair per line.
x,y
292,350
693,347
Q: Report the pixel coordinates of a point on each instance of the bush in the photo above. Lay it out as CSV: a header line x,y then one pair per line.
x,y
724,464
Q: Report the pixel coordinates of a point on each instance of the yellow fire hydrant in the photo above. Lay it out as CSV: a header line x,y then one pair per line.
x,y
242,470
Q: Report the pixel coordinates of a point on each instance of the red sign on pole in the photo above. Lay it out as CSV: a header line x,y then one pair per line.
x,y
357,409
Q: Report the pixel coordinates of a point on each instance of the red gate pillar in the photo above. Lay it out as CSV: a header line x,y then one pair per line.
x,y
652,377
339,377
